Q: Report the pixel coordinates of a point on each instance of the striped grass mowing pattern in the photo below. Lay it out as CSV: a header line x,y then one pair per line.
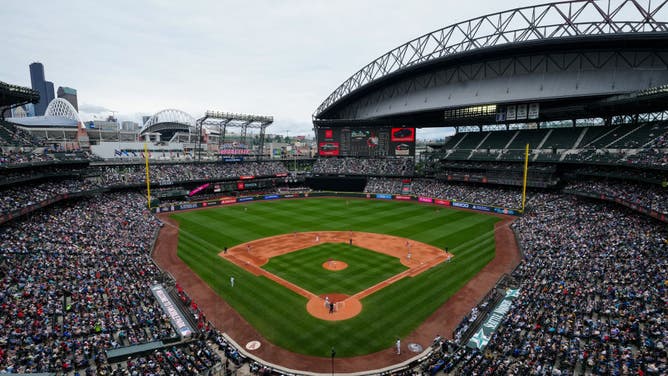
x,y
280,314
365,268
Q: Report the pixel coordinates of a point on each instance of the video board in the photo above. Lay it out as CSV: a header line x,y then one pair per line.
x,y
366,142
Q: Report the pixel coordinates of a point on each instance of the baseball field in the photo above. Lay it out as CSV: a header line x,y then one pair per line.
x,y
278,313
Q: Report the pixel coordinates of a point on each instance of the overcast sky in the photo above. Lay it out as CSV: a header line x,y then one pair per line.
x,y
264,57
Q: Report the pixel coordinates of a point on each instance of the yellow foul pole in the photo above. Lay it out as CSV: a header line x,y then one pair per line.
x,y
148,178
524,183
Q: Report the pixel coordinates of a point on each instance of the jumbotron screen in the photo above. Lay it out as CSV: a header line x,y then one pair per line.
x,y
366,142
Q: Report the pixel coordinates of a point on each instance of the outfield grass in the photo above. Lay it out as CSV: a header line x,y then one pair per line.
x,y
365,268
280,314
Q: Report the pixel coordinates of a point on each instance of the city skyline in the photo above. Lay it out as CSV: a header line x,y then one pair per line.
x,y
260,57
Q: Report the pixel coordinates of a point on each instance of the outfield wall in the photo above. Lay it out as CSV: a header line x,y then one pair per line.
x,y
370,196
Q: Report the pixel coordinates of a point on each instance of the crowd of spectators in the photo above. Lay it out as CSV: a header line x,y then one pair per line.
x,y
10,135
132,174
14,158
19,157
193,358
384,185
75,278
654,157
12,176
643,175
18,197
475,194
495,166
74,281
654,197
654,154
365,166
592,297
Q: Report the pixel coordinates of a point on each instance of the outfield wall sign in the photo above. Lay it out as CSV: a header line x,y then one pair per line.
x,y
175,315
379,196
482,336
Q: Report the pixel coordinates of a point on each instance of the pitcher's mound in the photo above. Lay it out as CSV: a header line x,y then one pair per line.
x,y
334,265
344,307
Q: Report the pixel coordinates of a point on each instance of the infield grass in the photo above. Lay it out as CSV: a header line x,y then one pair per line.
x,y
280,314
365,268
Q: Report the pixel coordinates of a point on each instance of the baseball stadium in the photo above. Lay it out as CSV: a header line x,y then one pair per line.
x,y
532,241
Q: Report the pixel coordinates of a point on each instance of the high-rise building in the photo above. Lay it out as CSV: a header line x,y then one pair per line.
x,y
69,95
37,83
50,93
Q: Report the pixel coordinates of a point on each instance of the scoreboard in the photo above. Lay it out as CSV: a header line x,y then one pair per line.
x,y
366,142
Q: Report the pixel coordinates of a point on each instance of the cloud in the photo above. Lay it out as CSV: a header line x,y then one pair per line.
x,y
93,108
279,58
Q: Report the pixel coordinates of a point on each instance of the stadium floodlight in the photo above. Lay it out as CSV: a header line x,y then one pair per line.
x,y
223,120
220,115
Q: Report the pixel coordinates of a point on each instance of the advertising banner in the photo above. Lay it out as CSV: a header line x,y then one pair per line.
x,y
442,202
402,135
505,211
235,151
383,196
233,159
188,206
328,149
362,141
457,204
403,198
481,338
176,317
198,189
426,199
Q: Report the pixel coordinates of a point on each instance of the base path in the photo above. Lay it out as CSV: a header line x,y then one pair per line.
x,y
416,256
443,321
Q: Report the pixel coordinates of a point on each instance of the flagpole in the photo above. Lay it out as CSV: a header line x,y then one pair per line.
x,y
148,178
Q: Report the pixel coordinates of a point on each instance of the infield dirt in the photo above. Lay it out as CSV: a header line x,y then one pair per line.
x,y
442,322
